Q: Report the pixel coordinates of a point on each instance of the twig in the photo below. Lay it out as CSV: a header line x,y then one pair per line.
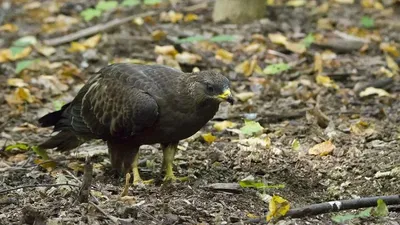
x,y
112,218
333,206
95,29
36,185
84,192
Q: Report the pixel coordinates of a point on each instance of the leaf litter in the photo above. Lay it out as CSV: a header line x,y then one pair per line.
x,y
277,76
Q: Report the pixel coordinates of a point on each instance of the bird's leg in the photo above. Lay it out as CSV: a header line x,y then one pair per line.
x,y
135,170
167,166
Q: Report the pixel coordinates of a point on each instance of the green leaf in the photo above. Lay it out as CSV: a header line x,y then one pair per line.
x,y
308,40
381,209
89,14
19,146
258,185
16,50
343,218
296,144
130,2
222,38
151,2
25,41
251,127
367,22
191,39
40,152
106,5
276,68
21,65
347,217
58,104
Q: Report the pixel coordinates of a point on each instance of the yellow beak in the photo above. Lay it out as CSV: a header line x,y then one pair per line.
x,y
226,96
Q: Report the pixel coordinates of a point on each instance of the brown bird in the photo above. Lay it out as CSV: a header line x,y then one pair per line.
x,y
130,105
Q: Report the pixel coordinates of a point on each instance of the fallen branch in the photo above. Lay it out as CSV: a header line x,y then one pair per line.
x,y
36,185
95,29
333,206
84,192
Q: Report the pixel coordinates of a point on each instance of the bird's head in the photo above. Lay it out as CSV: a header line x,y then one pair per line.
x,y
211,85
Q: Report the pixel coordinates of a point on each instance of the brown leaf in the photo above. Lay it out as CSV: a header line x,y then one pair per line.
x,y
322,149
8,27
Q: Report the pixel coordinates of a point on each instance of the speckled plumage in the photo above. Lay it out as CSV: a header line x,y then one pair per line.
x,y
129,105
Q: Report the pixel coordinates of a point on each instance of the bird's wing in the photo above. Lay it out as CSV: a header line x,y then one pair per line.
x,y
111,104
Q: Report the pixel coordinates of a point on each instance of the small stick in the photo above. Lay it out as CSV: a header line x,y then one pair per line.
x,y
112,218
94,29
36,185
87,182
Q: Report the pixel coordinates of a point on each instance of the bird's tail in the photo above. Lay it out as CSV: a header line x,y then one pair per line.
x,y
63,141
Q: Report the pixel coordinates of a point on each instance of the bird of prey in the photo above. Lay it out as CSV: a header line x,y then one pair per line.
x,y
129,105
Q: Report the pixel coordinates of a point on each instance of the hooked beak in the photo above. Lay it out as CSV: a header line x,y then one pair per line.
x,y
226,96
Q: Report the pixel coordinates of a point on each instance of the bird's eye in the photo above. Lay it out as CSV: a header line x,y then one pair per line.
x,y
210,88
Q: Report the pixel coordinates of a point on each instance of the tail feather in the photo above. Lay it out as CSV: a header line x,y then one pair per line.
x,y
51,119
63,141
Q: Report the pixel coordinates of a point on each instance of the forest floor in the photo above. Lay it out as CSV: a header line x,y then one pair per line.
x,y
341,84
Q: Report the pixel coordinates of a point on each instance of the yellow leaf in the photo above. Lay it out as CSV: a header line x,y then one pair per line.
x,y
296,144
277,38
92,41
251,216
165,50
278,207
190,17
392,64
6,54
24,94
374,91
254,47
389,48
158,35
16,82
9,27
209,138
345,1
224,55
295,47
244,96
372,4
326,81
247,67
220,126
322,149
45,50
362,128
187,58
76,166
171,16
296,3
47,164
76,47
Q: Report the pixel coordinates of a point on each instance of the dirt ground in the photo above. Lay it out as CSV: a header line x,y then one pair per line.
x,y
364,130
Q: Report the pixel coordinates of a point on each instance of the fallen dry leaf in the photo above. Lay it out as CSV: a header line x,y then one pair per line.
x,y
278,207
390,48
220,126
277,38
224,55
392,64
165,50
190,17
45,50
326,81
158,35
209,138
244,96
16,82
362,128
8,27
6,54
171,16
187,58
88,43
19,96
374,91
322,149
17,158
248,67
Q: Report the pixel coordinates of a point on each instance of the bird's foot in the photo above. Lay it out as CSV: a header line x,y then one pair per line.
x,y
140,182
173,179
